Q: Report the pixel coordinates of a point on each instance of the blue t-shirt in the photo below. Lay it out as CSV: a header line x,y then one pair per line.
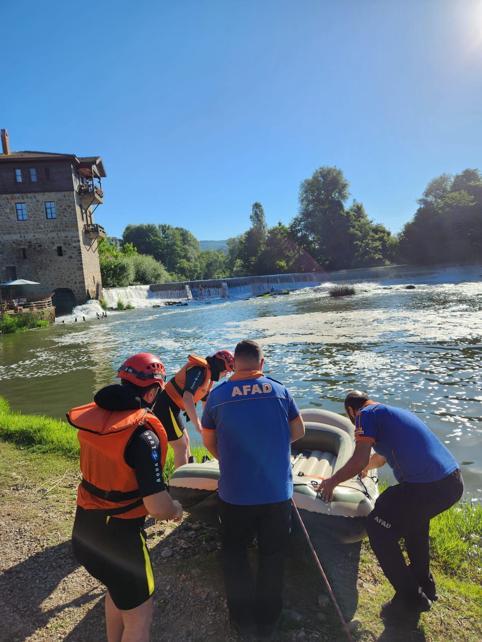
x,y
412,450
251,418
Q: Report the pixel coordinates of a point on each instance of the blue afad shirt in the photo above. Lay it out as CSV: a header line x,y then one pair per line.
x,y
409,446
251,418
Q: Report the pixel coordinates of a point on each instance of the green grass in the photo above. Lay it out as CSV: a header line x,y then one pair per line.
x,y
456,541
47,435
10,323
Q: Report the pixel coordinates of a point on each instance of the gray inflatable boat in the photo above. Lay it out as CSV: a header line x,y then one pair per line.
x,y
327,445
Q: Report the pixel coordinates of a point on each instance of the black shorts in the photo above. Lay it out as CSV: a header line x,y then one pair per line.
x,y
114,551
169,414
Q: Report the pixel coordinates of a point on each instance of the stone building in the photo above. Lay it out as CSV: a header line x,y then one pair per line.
x,y
47,231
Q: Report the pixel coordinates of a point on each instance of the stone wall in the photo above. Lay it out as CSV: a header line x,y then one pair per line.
x,y
55,252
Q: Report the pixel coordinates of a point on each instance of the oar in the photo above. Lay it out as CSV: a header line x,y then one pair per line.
x,y
323,574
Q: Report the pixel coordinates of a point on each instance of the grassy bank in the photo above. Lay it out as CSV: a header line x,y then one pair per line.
x,y
10,323
46,435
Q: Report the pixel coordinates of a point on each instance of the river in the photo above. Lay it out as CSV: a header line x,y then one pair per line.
x,y
416,348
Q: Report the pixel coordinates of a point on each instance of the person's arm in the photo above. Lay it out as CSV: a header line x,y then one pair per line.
x,y
143,454
297,428
190,408
357,462
162,506
376,461
210,441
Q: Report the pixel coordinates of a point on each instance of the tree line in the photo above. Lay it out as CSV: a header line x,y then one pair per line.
x,y
326,234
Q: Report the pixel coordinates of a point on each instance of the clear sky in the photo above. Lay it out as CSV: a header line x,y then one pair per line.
x,y
201,107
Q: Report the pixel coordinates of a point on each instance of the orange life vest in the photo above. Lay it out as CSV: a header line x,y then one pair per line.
x,y
175,387
108,482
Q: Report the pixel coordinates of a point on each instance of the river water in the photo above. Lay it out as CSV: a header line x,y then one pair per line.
x,y
416,348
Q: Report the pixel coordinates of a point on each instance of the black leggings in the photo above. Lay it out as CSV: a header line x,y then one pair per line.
x,y
405,511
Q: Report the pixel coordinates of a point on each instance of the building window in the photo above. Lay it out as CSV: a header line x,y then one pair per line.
x,y
24,253
10,272
33,175
21,209
60,251
50,209
18,176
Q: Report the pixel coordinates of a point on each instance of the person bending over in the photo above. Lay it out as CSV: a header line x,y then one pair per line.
x,y
122,453
429,482
248,424
188,386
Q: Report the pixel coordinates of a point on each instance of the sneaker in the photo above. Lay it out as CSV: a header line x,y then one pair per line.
x,y
190,459
403,605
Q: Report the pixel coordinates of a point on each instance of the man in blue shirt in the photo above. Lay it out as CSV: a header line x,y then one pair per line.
x,y
248,424
429,482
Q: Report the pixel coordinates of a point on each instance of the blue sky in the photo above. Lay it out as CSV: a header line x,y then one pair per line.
x,y
199,108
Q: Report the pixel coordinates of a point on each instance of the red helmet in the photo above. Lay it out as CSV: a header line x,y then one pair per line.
x,y
227,358
143,369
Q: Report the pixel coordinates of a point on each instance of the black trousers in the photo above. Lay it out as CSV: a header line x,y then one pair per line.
x,y
254,596
405,511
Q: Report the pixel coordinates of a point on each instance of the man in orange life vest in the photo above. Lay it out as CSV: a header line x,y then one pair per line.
x,y
188,386
122,451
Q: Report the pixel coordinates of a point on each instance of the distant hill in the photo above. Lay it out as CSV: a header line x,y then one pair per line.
x,y
214,245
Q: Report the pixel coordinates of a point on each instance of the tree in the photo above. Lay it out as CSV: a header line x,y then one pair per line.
x,y
117,272
253,242
447,226
145,238
214,264
322,224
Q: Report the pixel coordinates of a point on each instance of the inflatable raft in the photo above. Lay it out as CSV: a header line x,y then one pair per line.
x,y
327,445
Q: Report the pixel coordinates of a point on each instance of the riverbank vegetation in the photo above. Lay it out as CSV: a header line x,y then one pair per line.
x,y
327,233
10,323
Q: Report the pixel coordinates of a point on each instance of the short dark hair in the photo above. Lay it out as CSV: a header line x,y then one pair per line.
x,y
138,390
355,399
248,349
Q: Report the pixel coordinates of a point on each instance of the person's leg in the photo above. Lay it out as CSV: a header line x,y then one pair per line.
x,y
433,499
113,620
180,448
137,623
385,527
237,530
273,529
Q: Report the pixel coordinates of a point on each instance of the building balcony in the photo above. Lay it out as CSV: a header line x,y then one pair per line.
x,y
90,195
94,231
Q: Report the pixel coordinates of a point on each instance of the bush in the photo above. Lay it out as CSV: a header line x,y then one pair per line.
x,y
120,305
117,272
147,270
342,290
10,323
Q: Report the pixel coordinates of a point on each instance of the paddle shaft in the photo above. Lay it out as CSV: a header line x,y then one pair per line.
x,y
323,574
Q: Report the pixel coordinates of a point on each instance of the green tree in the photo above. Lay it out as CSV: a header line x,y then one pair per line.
x,y
447,227
117,272
145,238
322,224
253,242
147,270
213,264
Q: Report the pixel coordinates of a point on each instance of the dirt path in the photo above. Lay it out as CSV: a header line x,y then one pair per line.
x,y
45,596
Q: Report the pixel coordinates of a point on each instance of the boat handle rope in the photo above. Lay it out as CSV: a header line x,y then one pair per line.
x,y
322,573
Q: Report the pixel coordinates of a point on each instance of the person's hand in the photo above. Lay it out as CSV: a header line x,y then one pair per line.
x,y
364,472
178,507
326,488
